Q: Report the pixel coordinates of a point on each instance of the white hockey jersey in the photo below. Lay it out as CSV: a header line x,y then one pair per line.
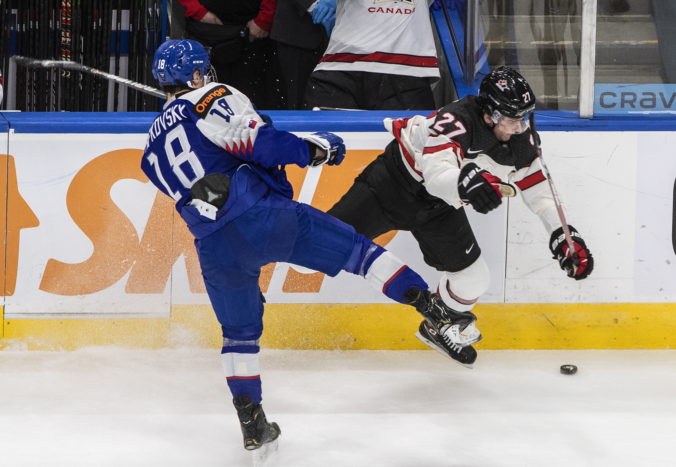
x,y
382,36
433,150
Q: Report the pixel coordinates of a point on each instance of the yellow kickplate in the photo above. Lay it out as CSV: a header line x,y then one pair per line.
x,y
365,326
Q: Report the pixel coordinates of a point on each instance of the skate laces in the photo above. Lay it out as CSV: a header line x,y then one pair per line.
x,y
463,336
435,334
450,345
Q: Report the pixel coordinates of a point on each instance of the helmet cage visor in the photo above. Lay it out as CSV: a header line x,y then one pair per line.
x,y
518,125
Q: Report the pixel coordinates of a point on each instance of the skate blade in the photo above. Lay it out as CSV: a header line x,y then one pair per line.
x,y
266,455
433,346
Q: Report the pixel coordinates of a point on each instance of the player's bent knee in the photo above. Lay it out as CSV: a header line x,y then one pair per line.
x,y
251,332
460,290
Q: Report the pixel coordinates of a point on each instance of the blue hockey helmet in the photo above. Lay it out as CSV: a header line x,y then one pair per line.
x,y
176,60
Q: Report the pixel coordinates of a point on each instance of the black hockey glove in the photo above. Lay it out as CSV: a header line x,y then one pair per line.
x,y
325,148
480,188
581,263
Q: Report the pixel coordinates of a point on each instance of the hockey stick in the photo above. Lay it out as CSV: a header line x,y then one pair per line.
x,y
335,108
555,196
70,65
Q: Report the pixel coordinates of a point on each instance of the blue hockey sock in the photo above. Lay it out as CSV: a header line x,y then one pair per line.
x,y
242,371
402,280
383,270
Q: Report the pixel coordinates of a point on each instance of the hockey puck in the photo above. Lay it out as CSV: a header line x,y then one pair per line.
x,y
568,369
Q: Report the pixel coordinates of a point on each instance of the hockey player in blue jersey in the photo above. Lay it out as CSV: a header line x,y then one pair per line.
x,y
223,164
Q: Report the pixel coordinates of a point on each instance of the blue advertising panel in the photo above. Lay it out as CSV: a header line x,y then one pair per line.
x,y
619,99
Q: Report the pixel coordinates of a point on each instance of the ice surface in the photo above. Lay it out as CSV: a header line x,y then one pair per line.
x,y
116,407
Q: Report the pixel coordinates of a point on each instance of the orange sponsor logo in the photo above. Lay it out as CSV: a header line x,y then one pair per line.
x,y
147,258
207,101
18,216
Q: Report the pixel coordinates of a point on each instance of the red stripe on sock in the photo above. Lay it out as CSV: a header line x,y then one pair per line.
x,y
458,299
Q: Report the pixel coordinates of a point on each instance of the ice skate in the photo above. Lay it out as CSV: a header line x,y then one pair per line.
x,y
445,329
456,327
429,336
255,428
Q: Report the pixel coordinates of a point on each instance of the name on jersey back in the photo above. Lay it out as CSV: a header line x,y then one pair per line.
x,y
167,119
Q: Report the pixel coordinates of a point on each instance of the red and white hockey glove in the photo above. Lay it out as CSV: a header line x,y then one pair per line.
x,y
578,266
482,189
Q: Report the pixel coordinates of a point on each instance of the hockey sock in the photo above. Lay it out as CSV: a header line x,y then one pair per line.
x,y
460,290
383,270
389,274
242,371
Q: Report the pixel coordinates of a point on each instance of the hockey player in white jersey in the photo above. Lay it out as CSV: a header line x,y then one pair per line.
x,y
223,164
470,152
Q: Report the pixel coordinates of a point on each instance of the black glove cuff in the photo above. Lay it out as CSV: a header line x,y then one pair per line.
x,y
467,169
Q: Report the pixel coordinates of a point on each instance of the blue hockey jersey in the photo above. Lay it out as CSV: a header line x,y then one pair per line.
x,y
216,129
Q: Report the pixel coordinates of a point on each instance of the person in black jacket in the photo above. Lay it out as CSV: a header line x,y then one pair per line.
x,y
300,45
241,52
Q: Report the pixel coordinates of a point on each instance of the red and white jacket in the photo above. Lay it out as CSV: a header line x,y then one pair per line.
x,y
382,36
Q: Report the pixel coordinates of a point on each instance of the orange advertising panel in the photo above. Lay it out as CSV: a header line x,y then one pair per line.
x,y
88,234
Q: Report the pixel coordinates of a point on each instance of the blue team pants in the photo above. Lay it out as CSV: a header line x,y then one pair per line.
x,y
276,229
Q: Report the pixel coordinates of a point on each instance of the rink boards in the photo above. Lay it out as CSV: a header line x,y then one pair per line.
x,y
96,256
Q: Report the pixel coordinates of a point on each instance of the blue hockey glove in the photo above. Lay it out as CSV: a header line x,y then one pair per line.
x,y
323,11
329,23
325,148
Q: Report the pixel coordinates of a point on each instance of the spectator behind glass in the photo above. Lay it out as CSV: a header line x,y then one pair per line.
x,y
300,44
381,56
241,52
665,16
